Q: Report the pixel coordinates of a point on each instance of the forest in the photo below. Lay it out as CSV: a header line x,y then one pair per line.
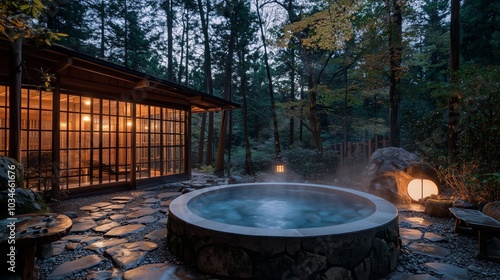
x,y
310,74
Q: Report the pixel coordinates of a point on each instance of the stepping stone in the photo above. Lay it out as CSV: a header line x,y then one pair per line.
x,y
163,220
98,215
162,271
404,276
106,227
124,230
429,250
114,207
143,220
412,207
89,208
117,217
151,200
114,274
142,212
410,234
58,247
72,246
101,204
166,203
416,222
434,237
122,199
81,238
102,245
449,271
69,268
157,234
128,255
164,210
83,226
168,194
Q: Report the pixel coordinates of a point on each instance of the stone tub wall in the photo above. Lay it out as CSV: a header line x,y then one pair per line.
x,y
365,254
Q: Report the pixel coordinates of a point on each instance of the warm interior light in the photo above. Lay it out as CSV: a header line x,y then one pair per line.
x,y
86,118
63,124
87,102
129,123
420,188
280,168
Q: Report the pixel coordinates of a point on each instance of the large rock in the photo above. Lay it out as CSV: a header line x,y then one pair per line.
x,y
438,207
390,170
27,201
10,172
492,209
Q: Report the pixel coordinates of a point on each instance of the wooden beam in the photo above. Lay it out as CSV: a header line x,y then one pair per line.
x,y
64,63
141,84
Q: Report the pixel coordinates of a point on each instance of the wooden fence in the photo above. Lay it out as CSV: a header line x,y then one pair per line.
x,y
361,150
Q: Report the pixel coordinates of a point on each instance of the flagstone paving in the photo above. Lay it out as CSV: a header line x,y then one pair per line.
x,y
124,237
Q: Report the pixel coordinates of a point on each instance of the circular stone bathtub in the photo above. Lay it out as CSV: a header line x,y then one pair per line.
x,y
284,230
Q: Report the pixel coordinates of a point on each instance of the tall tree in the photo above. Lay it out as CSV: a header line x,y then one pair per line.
x,y
270,83
329,30
231,10
207,66
395,37
453,113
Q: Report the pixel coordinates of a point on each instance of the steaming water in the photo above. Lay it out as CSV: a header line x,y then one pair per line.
x,y
279,208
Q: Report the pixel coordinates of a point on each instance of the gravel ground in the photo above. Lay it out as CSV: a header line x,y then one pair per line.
x,y
463,247
463,250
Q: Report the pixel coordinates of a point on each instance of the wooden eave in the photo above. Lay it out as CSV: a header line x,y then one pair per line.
x,y
81,73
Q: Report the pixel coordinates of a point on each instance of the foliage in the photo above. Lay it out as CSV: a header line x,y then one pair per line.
x,y
473,172
328,29
311,163
16,21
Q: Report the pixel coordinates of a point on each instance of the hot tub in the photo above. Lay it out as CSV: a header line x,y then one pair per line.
x,y
284,230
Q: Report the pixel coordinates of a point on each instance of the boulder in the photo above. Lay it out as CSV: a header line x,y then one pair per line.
x,y
27,201
9,167
438,208
235,179
492,209
389,171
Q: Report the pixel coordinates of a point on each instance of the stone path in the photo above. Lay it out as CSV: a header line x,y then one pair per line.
x,y
102,234
123,237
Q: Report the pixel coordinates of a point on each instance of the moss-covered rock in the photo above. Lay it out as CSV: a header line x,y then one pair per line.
x,y
26,201
10,171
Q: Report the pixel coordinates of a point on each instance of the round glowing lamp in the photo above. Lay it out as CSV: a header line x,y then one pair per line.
x,y
420,188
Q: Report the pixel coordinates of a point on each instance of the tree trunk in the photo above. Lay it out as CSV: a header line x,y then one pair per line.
x,y
243,92
102,14
15,82
291,134
394,25
313,113
453,110
271,90
208,84
125,45
170,24
219,165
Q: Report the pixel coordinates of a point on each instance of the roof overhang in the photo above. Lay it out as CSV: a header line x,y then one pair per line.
x,y
78,72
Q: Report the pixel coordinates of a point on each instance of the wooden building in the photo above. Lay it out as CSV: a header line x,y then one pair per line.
x,y
102,126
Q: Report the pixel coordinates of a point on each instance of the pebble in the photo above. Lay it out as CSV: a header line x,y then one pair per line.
x,y
462,247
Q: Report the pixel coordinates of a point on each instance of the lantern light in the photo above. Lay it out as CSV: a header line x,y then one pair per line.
x,y
279,164
421,188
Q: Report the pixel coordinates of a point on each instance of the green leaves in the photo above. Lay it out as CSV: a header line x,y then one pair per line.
x,y
328,29
18,20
